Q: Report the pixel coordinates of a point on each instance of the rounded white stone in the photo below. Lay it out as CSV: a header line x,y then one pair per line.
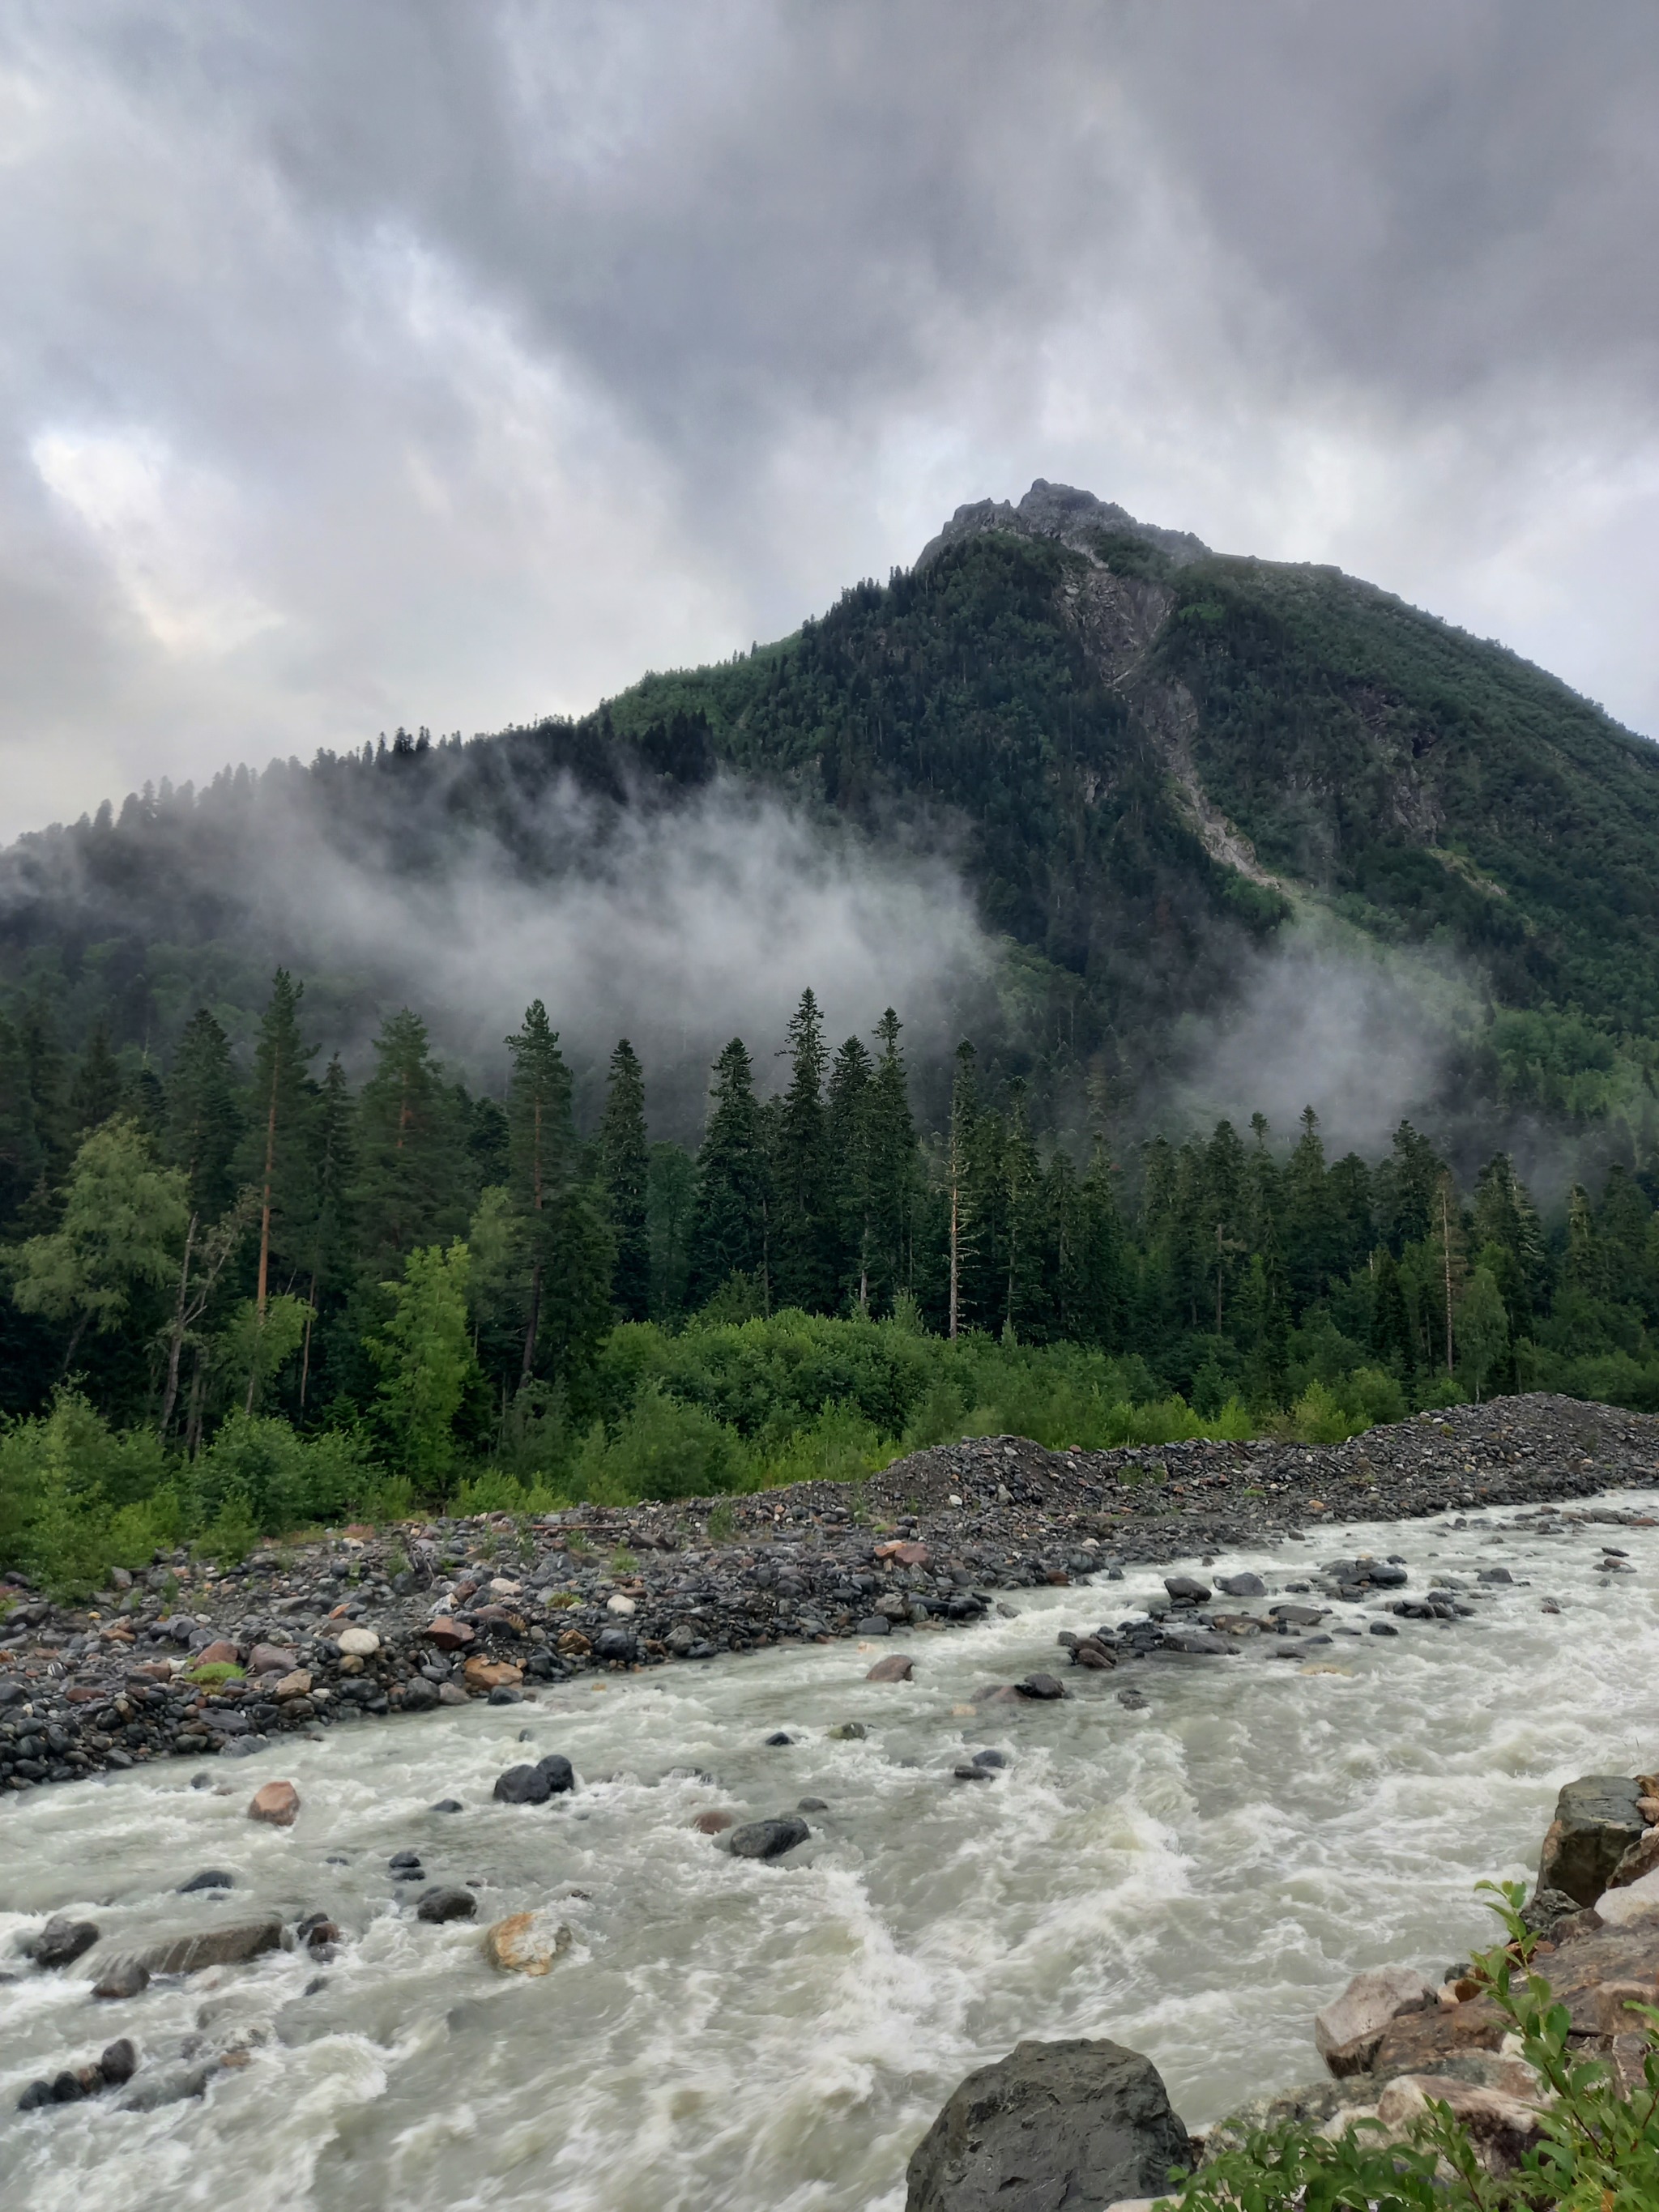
x,y
619,1604
358,1642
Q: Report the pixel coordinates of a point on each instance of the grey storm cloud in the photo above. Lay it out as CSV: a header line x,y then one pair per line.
x,y
404,362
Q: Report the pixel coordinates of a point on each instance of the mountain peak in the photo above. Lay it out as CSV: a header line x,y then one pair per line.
x,y
1063,511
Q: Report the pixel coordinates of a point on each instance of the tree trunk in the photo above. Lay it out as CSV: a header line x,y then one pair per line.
x,y
956,1252
176,1336
1445,1247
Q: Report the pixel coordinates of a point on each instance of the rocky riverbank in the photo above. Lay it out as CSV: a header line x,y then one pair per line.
x,y
189,1659
1089,2122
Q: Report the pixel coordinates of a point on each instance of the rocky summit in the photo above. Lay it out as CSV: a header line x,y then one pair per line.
x,y
360,1624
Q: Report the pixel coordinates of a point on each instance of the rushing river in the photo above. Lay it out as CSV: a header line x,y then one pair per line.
x,y
1192,1879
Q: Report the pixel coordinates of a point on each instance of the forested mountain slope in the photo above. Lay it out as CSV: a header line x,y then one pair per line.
x,y
1145,757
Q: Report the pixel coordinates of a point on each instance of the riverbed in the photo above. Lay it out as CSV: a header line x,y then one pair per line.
x,y
1191,1878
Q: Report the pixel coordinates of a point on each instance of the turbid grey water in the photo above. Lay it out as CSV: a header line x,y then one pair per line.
x,y
1192,1879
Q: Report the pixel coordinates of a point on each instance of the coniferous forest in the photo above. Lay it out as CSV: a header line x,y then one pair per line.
x,y
242,1294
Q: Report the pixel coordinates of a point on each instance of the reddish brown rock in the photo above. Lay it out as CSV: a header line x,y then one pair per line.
x,y
714,1824
449,1635
272,1659
896,1667
1418,2041
277,1804
219,1654
492,1675
572,1644
525,1943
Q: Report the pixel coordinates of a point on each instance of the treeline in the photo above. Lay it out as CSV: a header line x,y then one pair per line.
x,y
314,1289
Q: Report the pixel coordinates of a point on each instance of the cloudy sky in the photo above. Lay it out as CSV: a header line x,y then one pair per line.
x,y
378,361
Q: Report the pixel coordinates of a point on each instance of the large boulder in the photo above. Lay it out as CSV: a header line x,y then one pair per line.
x,y
1595,1823
1052,2125
229,1943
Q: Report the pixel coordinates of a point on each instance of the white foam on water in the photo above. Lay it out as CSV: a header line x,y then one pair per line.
x,y
1193,1880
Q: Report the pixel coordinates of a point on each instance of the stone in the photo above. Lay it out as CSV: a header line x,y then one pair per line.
x,y
714,1823
1082,2123
1241,1585
1503,2128
1383,1628
1090,1654
1364,2009
1595,1823
875,1624
1189,1587
525,1943
173,2086
620,1604
615,1644
768,1839
990,1758
812,1805
216,1654
358,1642
442,1904
1633,1901
1642,1858
522,1785
209,1878
419,1696
277,1804
230,1944
780,1737
61,1942
272,1659
448,1635
1201,1642
1041,1686
447,1805
1421,2042
296,1684
847,1732
965,1771
896,1667
122,1978
118,2063
484,1675
560,1774
450,1693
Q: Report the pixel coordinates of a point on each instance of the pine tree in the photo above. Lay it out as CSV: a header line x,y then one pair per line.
x,y
670,1200
625,1169
805,1239
22,1159
848,1133
324,1242
958,1177
1392,1337
1021,1179
410,1187
203,1119
730,1224
893,1168
541,1155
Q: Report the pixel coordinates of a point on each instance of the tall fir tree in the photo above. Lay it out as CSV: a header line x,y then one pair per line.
x,y
893,1170
625,1171
95,1091
278,1099
410,1186
804,1243
202,1126
541,1156
730,1222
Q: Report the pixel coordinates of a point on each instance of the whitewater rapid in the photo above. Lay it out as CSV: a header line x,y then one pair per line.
x,y
1192,1879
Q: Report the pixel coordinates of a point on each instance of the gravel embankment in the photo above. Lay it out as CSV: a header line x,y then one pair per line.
x,y
361,1623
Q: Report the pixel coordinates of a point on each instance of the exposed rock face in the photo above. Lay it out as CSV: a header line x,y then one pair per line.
x,y
1052,2125
1596,1822
1352,2025
1051,510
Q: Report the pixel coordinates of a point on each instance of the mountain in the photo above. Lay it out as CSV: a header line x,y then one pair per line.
x,y
1150,761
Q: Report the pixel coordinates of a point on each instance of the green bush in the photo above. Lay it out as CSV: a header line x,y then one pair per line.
x,y
78,1498
662,1449
261,1474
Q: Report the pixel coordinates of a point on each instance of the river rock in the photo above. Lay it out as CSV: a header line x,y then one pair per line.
x,y
441,1905
61,1942
228,1944
122,1978
1640,1859
768,1839
1187,1587
1241,1585
896,1667
484,1675
1633,1901
118,2063
1041,1686
219,1653
209,1878
525,1943
1503,2128
523,1785
875,1624
714,1823
1595,1823
449,1635
277,1804
1348,2030
1422,2042
847,1732
295,1685
1083,2123
450,1693
358,1642
560,1774
272,1659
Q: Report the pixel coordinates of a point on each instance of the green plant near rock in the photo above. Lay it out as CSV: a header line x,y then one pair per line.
x,y
622,1561
215,1671
1598,2149
722,1525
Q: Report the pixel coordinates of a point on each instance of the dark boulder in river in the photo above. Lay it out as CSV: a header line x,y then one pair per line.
x,y
1051,2124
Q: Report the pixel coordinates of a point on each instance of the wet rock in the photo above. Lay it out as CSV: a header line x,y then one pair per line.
x,y
714,1823
965,1771
1643,1857
1040,1686
522,1785
1502,2127
1421,2042
525,1943
402,1862
209,1878
505,1694
560,1774
812,1805
896,1667
847,1732
776,1742
450,1693
1186,1588
482,1676
61,1942
229,1945
1595,1823
768,1839
1053,2125
442,1904
875,1624
118,2063
1383,1628
1355,2020
419,1696
1547,1909
1133,1701
615,1644
447,1805
173,2085
122,1978
277,1804
1241,1585
1200,1642
990,1758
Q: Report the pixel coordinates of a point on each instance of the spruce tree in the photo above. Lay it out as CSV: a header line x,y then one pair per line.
x,y
1021,1180
848,1126
730,1225
95,1091
204,1118
959,1180
278,1135
409,1188
325,1242
804,1243
625,1171
541,1154
893,1168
